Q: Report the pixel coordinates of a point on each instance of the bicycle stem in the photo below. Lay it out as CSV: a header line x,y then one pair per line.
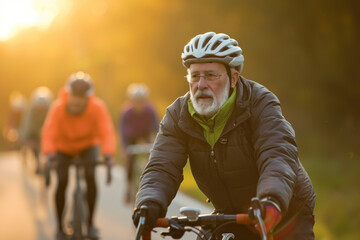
x,y
108,176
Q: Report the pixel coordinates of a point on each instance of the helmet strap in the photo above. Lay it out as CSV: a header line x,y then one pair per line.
x,y
228,71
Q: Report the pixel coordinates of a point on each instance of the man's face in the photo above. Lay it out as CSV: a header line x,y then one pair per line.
x,y
207,96
76,104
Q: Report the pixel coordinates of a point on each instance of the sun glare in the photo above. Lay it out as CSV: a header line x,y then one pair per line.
x,y
16,15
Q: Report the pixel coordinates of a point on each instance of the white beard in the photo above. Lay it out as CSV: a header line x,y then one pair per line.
x,y
208,109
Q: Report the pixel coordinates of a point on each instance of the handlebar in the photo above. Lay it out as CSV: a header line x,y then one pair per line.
x,y
177,225
51,164
141,148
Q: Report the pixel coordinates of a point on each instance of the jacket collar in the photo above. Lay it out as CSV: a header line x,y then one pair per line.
x,y
242,106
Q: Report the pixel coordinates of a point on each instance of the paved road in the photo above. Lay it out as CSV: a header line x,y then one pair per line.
x,y
27,208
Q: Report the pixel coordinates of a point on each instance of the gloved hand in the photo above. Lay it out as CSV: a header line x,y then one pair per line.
x,y
271,214
272,218
153,213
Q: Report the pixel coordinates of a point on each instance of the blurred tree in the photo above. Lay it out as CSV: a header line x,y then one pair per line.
x,y
305,52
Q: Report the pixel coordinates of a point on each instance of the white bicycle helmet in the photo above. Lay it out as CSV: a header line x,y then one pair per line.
x,y
213,47
80,84
137,91
42,96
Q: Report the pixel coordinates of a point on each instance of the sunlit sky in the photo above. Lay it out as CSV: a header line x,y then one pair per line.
x,y
16,15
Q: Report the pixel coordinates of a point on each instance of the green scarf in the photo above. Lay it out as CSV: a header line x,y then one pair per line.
x,y
214,126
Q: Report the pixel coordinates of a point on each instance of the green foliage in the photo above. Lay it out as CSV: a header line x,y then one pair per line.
x,y
336,183
189,186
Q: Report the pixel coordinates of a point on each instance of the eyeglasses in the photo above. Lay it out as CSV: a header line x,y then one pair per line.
x,y
208,76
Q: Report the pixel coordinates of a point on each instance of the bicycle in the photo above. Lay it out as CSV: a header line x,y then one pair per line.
x,y
192,220
141,152
78,224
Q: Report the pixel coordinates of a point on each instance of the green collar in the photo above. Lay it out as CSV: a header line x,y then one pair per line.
x,y
213,126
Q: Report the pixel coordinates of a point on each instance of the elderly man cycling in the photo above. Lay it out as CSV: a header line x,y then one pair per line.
x,y
237,141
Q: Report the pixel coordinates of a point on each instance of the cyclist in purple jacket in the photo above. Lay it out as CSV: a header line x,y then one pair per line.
x,y
137,123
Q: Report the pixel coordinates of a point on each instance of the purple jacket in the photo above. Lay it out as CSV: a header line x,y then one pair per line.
x,y
133,125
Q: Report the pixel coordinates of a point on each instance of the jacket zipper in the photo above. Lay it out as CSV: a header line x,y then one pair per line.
x,y
212,154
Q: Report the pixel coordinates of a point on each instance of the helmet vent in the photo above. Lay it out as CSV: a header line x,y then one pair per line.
x,y
196,44
215,45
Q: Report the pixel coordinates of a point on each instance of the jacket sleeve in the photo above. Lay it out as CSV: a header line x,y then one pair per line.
x,y
106,130
163,174
275,148
50,130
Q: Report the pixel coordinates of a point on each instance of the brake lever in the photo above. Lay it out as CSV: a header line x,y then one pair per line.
x,y
176,231
256,210
141,225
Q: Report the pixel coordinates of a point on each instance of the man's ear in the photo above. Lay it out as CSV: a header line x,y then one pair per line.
x,y
234,78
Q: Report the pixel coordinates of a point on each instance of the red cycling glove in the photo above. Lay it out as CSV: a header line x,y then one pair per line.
x,y
272,217
270,211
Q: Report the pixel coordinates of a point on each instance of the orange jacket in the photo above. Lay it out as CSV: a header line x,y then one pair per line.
x,y
71,134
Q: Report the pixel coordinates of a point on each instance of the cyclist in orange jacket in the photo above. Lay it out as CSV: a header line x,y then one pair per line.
x,y
78,124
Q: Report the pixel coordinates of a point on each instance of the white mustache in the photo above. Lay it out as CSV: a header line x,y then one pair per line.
x,y
204,93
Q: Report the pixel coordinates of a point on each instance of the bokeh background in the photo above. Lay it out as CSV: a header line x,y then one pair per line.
x,y
307,52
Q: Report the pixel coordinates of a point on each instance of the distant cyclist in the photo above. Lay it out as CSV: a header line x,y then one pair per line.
x,y
137,123
33,121
78,124
11,128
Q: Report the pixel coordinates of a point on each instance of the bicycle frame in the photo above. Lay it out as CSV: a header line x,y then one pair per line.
x,y
139,148
140,153
79,215
79,221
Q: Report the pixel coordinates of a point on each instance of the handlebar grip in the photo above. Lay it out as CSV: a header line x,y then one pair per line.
x,y
162,222
146,236
243,218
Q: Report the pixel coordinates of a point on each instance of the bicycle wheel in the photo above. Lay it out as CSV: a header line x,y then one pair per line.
x,y
77,224
139,165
